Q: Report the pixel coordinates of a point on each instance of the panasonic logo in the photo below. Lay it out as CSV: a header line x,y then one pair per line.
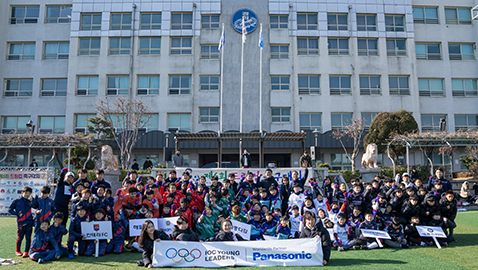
x,y
282,256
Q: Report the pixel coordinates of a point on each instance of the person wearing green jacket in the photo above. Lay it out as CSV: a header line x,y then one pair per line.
x,y
207,224
237,215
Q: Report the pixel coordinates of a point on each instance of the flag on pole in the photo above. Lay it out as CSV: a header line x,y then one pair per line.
x,y
243,30
222,41
261,40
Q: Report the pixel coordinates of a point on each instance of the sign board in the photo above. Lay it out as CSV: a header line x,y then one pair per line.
x,y
136,225
242,229
96,230
250,20
167,224
428,231
375,234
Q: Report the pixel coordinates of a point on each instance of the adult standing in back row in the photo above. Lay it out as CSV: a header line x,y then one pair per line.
x,y
178,160
305,160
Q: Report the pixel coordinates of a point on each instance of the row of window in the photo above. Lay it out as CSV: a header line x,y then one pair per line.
x,y
31,14
307,121
370,85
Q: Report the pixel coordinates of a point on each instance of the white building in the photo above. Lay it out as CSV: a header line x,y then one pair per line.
x,y
324,63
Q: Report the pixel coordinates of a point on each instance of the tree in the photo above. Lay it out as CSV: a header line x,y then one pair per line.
x,y
355,131
127,117
388,124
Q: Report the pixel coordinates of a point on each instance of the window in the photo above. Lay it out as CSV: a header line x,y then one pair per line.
x,y
461,51
431,122
370,86
89,46
394,23
117,85
279,21
307,21
56,50
208,115
367,46
309,84
366,22
337,22
153,158
310,121
280,83
396,47
18,87
53,87
398,86
90,22
425,15
464,87
210,21
181,45
368,118
431,88
181,21
120,21
338,46
87,86
179,84
280,51
280,115
82,123
148,85
120,46
21,51
52,124
466,122
15,124
209,83
58,14
339,85
340,162
458,16
150,21
339,120
209,52
150,121
428,51
307,46
24,14
149,45
178,121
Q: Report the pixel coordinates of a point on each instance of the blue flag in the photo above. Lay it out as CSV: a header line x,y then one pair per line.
x,y
261,40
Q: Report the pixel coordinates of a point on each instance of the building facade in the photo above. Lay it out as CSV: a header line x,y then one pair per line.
x,y
323,63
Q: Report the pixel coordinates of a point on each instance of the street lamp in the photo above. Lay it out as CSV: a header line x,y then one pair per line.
x,y
30,127
166,134
316,136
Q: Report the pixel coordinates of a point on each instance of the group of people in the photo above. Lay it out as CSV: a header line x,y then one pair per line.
x,y
298,207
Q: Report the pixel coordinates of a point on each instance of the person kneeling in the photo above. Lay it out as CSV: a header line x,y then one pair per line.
x,y
41,240
146,241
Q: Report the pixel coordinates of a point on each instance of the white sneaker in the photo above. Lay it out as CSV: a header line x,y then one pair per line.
x,y
423,244
466,203
340,249
372,245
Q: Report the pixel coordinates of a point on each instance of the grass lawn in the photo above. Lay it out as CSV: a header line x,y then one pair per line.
x,y
460,255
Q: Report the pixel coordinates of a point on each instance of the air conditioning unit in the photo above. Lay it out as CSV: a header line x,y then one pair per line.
x,y
14,57
174,91
8,130
64,20
45,131
81,92
173,130
47,93
142,130
63,56
111,92
31,20
11,93
143,92
80,130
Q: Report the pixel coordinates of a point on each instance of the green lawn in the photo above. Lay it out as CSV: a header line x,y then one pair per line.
x,y
460,255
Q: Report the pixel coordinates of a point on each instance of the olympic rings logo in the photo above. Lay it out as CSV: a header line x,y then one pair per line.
x,y
183,254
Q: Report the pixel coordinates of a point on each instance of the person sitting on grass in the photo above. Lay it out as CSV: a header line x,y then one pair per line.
x,y
182,232
344,234
146,241
41,240
397,235
90,250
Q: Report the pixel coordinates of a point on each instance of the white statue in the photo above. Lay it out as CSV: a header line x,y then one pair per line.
x,y
109,162
369,159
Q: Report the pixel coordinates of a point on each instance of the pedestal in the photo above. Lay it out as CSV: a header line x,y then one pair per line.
x,y
369,174
113,178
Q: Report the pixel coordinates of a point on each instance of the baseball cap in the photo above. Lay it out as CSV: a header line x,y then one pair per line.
x,y
405,174
69,173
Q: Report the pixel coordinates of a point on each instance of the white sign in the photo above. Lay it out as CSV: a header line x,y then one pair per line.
x,y
428,231
242,229
136,225
292,252
96,230
12,182
167,224
375,234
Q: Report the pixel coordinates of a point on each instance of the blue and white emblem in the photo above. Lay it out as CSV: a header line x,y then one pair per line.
x,y
250,20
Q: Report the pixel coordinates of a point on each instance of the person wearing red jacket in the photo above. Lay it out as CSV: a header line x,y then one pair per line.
x,y
134,197
173,192
120,195
184,211
152,203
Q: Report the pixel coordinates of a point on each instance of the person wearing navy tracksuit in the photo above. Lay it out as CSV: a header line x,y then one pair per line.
x,y
42,239
75,232
90,250
45,204
22,209
120,224
100,174
58,230
63,191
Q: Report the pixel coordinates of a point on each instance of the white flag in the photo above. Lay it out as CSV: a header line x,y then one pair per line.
x,y
243,30
222,41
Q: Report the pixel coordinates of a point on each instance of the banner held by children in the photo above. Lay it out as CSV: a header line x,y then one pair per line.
x,y
167,224
293,252
96,230
242,229
433,232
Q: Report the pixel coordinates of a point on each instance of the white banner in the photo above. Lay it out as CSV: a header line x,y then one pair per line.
x,y
375,234
135,225
12,183
428,231
167,224
293,252
243,229
96,230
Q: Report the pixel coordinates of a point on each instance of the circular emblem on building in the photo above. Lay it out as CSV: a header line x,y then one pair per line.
x,y
250,20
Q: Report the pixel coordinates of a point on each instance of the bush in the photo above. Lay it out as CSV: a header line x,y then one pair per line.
x,y
468,161
324,165
347,174
423,171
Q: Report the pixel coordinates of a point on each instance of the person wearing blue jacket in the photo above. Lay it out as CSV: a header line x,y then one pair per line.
x,y
439,176
90,250
75,232
100,174
63,191
45,204
120,224
21,208
58,230
40,251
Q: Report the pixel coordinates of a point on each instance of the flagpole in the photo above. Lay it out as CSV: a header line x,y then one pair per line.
x,y
260,83
242,86
222,83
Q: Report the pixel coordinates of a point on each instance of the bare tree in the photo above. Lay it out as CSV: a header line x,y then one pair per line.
x,y
354,131
127,117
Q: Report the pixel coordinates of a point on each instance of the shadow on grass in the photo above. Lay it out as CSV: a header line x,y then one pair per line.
x,y
358,261
464,240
